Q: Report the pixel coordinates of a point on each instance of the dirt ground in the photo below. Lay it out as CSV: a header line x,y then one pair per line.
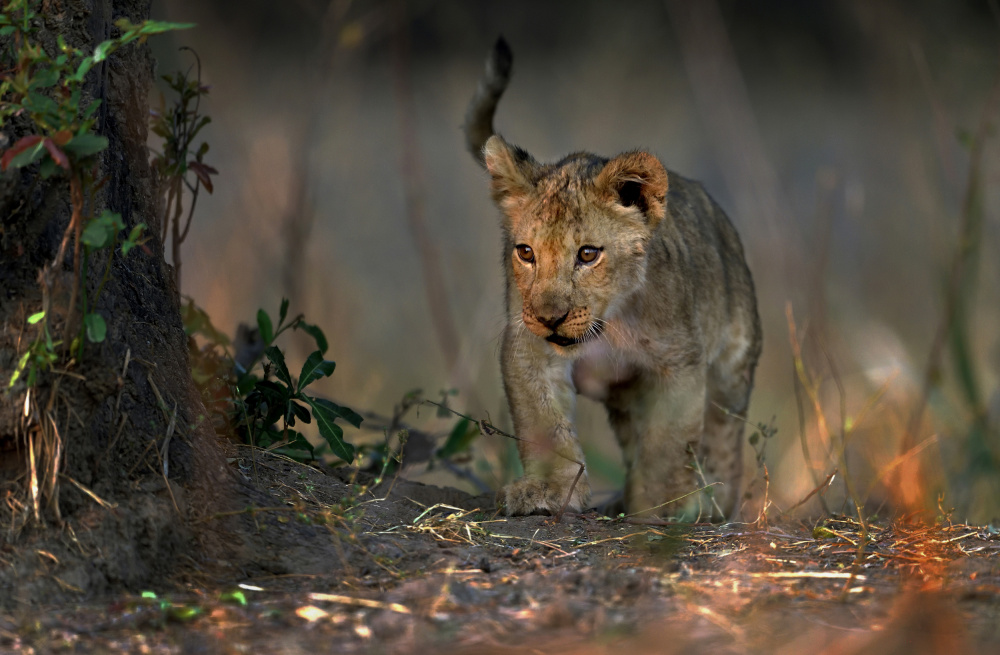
x,y
332,565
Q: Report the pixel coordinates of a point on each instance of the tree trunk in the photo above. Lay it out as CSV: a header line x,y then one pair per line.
x,y
124,428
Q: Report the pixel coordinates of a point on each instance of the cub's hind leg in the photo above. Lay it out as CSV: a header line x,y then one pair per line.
x,y
658,421
730,381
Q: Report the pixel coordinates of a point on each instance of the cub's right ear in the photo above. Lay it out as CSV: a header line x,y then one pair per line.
x,y
513,170
636,179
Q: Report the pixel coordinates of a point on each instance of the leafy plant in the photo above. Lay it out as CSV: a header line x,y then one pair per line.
x,y
40,354
45,91
459,439
264,402
387,457
178,126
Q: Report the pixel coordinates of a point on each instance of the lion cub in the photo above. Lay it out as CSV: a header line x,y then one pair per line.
x,y
627,284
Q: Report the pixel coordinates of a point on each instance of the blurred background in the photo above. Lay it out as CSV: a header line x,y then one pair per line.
x,y
850,141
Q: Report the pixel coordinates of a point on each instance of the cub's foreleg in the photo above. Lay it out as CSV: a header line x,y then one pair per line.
x,y
541,397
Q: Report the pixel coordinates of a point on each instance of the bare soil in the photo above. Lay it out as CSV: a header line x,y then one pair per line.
x,y
320,560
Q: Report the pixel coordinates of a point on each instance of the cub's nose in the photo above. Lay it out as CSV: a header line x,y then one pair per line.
x,y
552,322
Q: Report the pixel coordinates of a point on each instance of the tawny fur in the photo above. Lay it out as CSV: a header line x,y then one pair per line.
x,y
661,325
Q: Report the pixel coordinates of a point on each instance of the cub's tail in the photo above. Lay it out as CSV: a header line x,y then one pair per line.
x,y
479,116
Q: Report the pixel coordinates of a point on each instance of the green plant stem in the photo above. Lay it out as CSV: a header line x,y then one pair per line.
x,y
175,234
290,324
187,224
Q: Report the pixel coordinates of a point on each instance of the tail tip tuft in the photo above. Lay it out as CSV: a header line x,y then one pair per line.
x,y
502,57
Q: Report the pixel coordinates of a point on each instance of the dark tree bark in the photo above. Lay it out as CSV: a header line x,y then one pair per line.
x,y
133,442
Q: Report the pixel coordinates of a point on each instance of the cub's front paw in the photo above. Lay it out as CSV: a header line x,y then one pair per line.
x,y
536,496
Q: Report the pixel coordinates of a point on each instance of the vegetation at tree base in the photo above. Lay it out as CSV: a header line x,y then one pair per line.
x,y
46,90
252,396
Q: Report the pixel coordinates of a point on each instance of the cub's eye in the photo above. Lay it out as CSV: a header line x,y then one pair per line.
x,y
588,254
525,252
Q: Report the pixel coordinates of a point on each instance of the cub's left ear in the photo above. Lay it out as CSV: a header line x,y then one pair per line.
x,y
636,179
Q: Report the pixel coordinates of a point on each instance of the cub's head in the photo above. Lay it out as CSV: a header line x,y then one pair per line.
x,y
577,233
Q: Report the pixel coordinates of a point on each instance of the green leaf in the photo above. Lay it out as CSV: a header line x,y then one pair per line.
x,y
21,363
160,130
821,532
83,69
315,333
48,168
315,368
101,231
284,311
328,428
301,413
237,597
276,406
36,102
43,79
246,384
85,145
34,318
158,26
133,238
205,120
114,218
182,613
74,100
28,157
278,359
339,411
91,108
461,437
265,326
6,30
97,329
103,49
